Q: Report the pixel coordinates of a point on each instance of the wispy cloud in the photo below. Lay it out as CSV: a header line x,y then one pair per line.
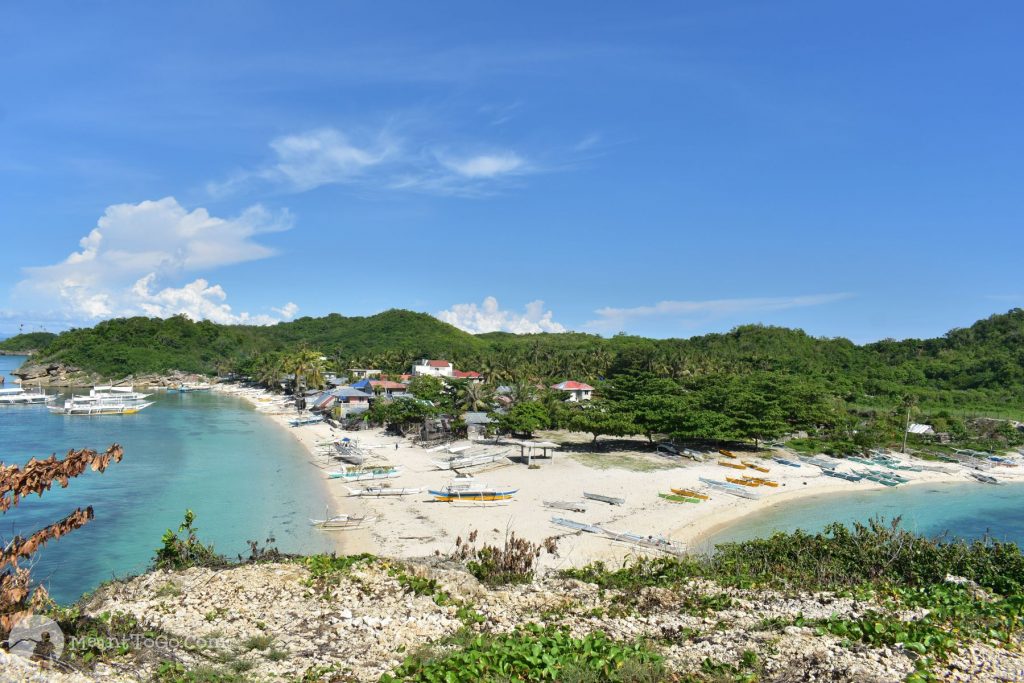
x,y
383,161
490,317
614,319
121,263
487,165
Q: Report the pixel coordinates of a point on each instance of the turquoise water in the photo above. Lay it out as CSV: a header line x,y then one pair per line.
x,y
244,476
963,510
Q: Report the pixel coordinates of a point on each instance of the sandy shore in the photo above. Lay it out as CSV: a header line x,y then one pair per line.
x,y
415,526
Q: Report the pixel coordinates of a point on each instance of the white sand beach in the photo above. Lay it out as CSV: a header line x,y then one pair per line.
x,y
416,526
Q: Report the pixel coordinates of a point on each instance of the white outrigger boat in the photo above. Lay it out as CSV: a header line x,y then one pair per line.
x,y
72,407
469,460
366,475
17,396
382,491
733,489
104,400
341,522
305,420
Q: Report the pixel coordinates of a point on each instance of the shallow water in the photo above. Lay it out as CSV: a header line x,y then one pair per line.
x,y
964,510
244,476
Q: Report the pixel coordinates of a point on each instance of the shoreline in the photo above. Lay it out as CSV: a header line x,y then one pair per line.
x,y
415,526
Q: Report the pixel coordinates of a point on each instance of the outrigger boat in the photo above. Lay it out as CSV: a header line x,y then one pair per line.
x,y
571,505
842,475
382,491
471,491
785,461
469,460
604,499
733,465
755,466
732,489
305,420
984,478
104,400
186,388
674,498
742,482
340,522
690,493
728,454
653,542
17,396
366,475
761,481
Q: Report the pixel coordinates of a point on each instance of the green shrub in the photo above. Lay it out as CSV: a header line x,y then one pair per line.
x,y
532,653
183,552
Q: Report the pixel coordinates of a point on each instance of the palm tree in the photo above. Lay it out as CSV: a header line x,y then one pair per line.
x,y
308,367
476,396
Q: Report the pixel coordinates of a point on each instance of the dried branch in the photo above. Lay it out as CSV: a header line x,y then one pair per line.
x,y
38,475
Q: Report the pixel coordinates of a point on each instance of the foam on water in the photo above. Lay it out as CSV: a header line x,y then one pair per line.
x,y
245,478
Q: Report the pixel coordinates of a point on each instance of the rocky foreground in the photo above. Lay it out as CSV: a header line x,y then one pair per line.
x,y
282,622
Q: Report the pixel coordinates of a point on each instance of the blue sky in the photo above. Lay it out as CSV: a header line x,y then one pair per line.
x,y
665,169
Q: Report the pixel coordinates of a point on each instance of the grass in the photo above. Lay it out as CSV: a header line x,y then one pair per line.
x,y
638,462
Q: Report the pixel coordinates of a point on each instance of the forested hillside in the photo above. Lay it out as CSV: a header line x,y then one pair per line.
x,y
982,365
23,343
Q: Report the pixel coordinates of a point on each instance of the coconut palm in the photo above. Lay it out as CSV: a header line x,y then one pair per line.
x,y
308,368
475,396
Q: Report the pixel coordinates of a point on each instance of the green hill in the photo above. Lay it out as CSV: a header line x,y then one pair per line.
x,y
28,342
979,365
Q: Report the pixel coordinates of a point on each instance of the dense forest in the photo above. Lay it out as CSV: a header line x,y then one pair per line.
x,y
982,365
28,342
754,382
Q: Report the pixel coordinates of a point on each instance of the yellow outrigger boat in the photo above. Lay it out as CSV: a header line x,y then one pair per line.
x,y
690,493
755,466
733,465
728,454
764,482
743,482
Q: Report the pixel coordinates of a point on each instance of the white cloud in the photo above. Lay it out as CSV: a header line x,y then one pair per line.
x,y
617,318
136,246
486,165
327,156
489,317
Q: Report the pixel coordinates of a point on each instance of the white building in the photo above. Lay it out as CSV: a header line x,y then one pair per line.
x,y
432,368
578,391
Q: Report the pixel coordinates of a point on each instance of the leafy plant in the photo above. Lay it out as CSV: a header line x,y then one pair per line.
x,y
532,653
178,552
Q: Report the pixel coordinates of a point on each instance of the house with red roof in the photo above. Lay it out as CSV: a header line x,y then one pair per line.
x,y
433,368
471,375
578,391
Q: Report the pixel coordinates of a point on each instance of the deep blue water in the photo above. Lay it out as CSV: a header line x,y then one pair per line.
x,y
244,476
964,510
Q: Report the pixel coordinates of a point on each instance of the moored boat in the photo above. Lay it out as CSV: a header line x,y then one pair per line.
x,y
674,498
17,396
690,493
382,491
366,475
733,465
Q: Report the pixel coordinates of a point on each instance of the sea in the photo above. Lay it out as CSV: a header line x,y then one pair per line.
x,y
244,476
960,510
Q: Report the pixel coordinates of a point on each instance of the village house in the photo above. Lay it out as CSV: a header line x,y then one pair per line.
x,y
470,375
362,373
432,368
578,391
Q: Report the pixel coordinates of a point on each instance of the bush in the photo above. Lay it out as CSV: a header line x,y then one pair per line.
x,y
511,563
182,553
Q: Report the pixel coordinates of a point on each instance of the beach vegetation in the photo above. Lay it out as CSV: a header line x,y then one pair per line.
x,y
524,418
183,549
532,653
29,342
512,562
